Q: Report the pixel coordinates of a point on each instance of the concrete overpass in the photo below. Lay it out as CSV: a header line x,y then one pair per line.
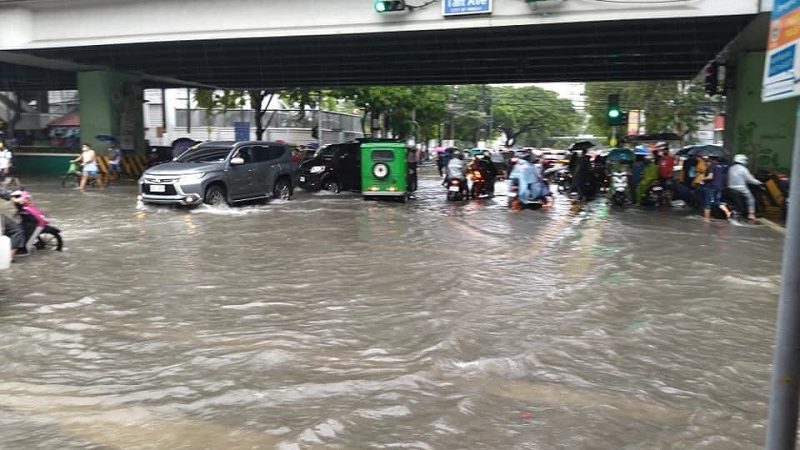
x,y
256,43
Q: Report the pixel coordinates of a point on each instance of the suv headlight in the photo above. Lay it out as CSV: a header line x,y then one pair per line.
x,y
317,169
188,178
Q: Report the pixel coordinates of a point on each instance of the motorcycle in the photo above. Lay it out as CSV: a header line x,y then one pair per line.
x,y
563,180
737,202
619,189
516,203
48,238
457,190
481,185
657,195
39,238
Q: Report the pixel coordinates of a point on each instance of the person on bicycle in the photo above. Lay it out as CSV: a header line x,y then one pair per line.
x,y
88,159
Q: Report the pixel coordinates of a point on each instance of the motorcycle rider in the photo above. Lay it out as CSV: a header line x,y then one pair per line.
x,y
456,169
531,186
12,229
24,203
739,177
483,164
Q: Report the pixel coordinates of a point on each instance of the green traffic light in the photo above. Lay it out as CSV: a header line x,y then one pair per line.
x,y
613,113
380,7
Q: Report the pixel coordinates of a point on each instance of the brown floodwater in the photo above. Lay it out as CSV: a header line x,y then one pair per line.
x,y
328,322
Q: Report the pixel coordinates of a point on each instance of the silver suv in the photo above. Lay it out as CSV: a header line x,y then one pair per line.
x,y
221,172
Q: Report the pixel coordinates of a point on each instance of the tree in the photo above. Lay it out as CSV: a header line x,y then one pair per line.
x,y
217,103
669,106
400,111
530,114
257,98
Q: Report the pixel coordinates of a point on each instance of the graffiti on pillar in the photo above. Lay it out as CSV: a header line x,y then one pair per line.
x,y
755,146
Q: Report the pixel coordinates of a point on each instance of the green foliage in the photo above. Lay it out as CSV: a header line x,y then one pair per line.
x,y
529,115
402,111
526,115
670,106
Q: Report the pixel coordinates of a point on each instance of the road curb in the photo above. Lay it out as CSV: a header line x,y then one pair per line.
x,y
773,225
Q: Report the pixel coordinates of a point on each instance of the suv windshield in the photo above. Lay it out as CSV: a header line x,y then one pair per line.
x,y
205,155
327,152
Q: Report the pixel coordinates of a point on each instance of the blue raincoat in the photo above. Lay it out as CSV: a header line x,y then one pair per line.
x,y
531,183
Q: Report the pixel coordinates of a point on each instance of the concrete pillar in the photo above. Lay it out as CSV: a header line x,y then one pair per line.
x,y
111,104
762,131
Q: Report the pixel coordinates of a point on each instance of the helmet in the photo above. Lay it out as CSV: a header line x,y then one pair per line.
x,y
740,159
661,146
21,196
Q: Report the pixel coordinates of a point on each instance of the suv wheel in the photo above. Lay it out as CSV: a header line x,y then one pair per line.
x,y
215,196
333,186
282,190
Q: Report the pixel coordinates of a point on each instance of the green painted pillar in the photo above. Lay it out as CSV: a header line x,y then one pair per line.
x,y
762,131
111,104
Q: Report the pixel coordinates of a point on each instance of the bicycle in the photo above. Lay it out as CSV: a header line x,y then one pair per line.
x,y
72,179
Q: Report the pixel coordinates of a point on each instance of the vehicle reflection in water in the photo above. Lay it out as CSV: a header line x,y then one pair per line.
x,y
331,322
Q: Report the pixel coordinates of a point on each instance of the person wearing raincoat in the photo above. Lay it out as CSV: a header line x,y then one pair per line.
x,y
530,182
649,176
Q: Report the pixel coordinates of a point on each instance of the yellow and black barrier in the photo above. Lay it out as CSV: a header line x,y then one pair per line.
x,y
131,166
774,193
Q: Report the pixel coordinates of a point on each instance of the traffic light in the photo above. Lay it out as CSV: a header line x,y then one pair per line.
x,y
614,112
712,79
384,6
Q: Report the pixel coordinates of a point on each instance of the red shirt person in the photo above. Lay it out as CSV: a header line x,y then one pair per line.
x,y
666,164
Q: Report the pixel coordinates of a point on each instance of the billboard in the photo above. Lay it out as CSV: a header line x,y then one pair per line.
x,y
782,66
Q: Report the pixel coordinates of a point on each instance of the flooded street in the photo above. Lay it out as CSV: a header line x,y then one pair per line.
x,y
328,322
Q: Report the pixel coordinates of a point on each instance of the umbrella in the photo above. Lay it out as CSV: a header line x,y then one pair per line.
x,y
581,145
620,155
705,150
437,150
642,150
106,138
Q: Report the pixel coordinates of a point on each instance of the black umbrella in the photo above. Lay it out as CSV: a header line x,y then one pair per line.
x,y
581,145
705,150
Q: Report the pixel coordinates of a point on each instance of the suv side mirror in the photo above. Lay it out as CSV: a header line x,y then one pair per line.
x,y
237,161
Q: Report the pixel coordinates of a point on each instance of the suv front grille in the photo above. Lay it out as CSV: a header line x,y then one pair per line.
x,y
161,180
168,189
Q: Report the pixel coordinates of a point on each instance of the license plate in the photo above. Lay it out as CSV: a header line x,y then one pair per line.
x,y
454,189
158,188
302,179
512,194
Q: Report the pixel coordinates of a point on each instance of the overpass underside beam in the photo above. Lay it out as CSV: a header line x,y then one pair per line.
x,y
619,50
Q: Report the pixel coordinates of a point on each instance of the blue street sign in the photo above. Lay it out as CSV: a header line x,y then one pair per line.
x,y
782,66
241,131
464,7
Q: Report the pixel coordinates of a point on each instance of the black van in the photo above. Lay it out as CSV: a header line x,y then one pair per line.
x,y
335,168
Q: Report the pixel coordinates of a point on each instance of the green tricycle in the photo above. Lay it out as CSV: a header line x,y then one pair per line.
x,y
385,170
